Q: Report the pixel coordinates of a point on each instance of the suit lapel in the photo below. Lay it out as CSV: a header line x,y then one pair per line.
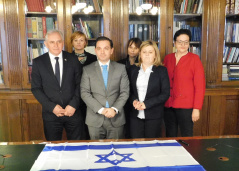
x,y
151,80
99,74
134,80
48,64
65,66
110,74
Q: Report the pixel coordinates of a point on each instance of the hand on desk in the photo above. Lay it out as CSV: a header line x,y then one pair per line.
x,y
195,115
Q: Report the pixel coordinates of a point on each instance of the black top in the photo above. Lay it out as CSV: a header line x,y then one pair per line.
x,y
90,58
126,62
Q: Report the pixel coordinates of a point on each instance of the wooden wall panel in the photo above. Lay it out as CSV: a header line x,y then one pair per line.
x,y
10,115
32,120
13,48
231,115
116,26
216,112
200,127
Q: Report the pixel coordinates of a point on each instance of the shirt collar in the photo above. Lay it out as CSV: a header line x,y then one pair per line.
x,y
52,57
148,70
100,63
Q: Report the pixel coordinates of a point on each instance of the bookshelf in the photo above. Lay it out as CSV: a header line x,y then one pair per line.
x,y
34,26
230,66
188,15
92,24
144,24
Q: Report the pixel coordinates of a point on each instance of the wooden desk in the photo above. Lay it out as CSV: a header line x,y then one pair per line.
x,y
24,154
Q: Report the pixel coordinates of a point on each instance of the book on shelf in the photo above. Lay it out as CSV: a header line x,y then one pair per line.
x,y
34,50
84,27
37,27
232,7
236,7
143,31
231,55
188,6
195,31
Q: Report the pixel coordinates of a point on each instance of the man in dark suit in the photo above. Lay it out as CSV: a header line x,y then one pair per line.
x,y
55,83
105,90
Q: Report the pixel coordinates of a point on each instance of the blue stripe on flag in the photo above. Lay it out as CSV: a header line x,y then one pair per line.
x,y
105,147
163,168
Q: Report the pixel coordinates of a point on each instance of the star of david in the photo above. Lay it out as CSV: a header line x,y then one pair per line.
x,y
124,158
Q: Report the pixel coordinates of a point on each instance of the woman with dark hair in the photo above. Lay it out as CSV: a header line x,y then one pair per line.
x,y
133,46
133,53
79,42
149,84
187,87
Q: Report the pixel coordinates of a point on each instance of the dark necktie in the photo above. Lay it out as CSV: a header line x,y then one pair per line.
x,y
57,70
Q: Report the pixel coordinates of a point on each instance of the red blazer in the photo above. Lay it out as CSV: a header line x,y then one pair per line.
x,y
187,81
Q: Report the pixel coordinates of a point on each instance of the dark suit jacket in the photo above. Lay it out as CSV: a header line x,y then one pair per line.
x,y
46,88
90,58
157,93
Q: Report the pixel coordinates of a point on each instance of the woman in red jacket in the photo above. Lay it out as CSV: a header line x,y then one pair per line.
x,y
187,87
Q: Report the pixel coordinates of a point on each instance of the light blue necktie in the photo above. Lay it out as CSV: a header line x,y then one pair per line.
x,y
105,78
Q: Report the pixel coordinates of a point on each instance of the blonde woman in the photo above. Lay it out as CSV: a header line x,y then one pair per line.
x,y
149,91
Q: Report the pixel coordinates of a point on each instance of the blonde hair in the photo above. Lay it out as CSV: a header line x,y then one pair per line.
x,y
157,60
79,34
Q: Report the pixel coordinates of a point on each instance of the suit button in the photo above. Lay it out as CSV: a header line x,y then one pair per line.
x,y
60,91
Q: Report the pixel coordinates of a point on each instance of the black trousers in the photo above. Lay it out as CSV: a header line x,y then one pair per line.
x,y
145,128
73,125
182,118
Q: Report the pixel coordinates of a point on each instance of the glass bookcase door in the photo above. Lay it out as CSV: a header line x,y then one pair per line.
x,y
4,82
144,24
230,67
87,18
39,20
188,15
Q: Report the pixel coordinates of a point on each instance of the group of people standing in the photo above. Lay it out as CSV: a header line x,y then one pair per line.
x,y
117,101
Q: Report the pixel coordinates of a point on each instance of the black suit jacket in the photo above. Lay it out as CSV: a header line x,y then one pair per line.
x,y
46,88
90,58
157,93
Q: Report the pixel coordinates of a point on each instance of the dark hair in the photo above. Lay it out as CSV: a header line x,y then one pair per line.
x,y
182,31
101,38
134,40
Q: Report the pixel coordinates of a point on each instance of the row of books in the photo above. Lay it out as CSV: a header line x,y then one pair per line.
x,y
35,49
233,72
40,5
195,31
84,27
232,32
231,55
232,6
188,6
37,27
143,31
133,4
96,4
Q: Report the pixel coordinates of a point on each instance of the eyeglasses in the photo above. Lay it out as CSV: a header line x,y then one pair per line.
x,y
182,42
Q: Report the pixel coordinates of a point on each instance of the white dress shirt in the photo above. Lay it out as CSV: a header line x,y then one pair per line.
x,y
142,86
108,63
53,63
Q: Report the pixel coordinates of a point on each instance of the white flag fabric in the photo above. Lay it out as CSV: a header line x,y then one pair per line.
x,y
116,156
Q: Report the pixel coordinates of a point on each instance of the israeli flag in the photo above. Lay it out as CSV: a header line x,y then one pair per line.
x,y
116,156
